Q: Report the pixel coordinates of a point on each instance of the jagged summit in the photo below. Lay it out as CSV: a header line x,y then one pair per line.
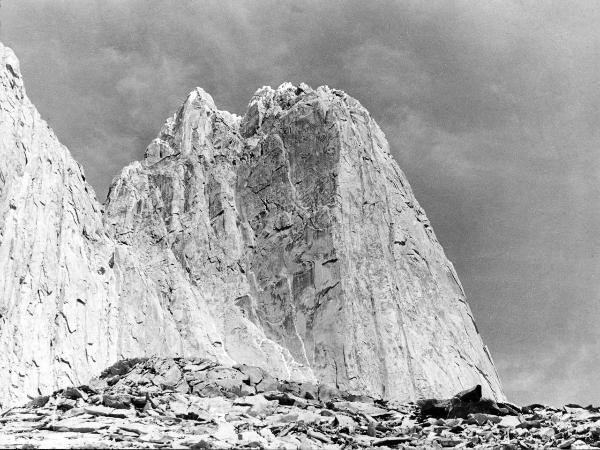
x,y
267,104
287,239
200,95
11,64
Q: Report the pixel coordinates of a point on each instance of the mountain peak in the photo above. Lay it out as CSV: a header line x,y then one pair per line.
x,y
11,70
10,61
287,239
201,97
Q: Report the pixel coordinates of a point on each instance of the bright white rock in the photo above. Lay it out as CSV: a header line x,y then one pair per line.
x,y
297,219
287,239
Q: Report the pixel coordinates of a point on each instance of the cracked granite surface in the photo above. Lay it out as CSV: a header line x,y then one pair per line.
x,y
287,239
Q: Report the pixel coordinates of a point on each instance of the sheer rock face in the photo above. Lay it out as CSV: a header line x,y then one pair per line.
x,y
57,291
287,239
72,298
63,314
178,209
296,220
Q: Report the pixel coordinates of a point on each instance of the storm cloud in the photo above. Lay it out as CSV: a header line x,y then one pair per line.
x,y
491,109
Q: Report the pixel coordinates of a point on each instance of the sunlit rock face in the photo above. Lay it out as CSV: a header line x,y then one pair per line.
x,y
295,221
287,239
72,299
58,309
178,209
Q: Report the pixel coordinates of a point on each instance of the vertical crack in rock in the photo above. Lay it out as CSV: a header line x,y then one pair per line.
x,y
287,239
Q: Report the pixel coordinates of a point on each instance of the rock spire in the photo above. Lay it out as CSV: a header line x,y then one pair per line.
x,y
287,239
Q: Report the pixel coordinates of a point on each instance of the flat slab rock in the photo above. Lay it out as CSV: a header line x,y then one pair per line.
x,y
156,403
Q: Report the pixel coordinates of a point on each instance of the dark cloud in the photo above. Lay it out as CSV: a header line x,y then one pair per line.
x,y
491,108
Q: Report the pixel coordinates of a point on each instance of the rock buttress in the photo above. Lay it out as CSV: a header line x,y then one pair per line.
x,y
297,225
287,239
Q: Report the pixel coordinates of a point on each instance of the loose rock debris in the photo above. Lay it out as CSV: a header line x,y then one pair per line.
x,y
198,404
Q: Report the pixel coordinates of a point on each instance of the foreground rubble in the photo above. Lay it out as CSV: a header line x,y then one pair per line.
x,y
194,403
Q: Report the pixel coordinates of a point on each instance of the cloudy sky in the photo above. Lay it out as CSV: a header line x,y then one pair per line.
x,y
491,108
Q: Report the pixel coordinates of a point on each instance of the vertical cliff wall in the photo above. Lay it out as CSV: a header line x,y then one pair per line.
x,y
287,238
296,218
57,288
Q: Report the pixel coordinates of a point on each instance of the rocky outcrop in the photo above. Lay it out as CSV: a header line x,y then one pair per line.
x,y
72,298
177,210
57,285
287,239
297,219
